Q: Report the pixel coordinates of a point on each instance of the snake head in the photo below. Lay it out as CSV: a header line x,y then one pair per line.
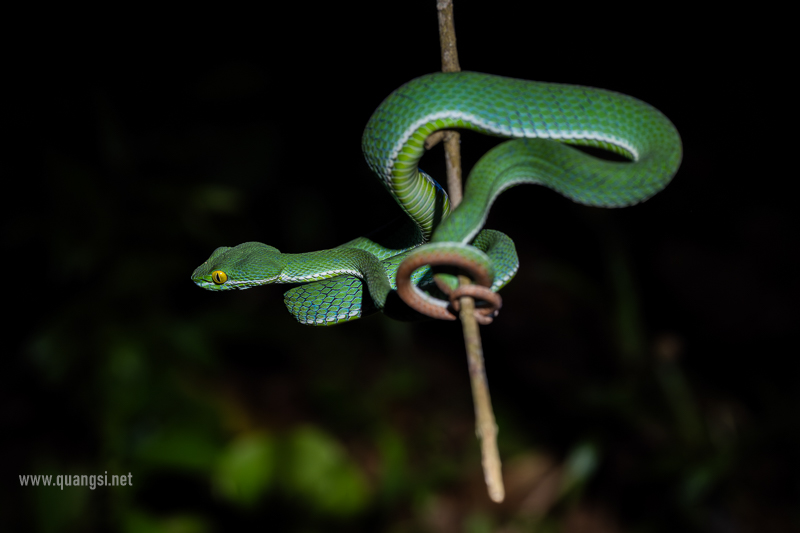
x,y
248,265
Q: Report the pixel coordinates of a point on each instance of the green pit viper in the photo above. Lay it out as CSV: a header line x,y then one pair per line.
x,y
363,275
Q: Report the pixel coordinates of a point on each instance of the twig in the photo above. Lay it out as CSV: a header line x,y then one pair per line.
x,y
485,426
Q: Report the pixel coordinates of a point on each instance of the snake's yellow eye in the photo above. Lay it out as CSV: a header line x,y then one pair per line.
x,y
219,277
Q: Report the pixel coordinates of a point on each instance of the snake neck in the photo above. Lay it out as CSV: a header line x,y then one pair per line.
x,y
319,265
342,261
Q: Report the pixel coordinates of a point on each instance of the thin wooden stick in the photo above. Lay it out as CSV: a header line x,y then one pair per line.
x,y
485,426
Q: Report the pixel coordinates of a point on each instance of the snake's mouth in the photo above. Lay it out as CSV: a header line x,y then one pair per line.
x,y
208,284
231,284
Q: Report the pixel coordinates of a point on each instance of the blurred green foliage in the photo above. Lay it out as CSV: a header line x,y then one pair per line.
x,y
246,468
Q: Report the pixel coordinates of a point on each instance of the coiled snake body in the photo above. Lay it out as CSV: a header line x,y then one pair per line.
x,y
540,118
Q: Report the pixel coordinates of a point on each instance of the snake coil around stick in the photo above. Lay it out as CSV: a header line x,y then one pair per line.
x,y
540,118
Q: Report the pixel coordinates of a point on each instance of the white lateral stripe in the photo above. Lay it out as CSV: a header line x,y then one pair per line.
x,y
252,281
317,276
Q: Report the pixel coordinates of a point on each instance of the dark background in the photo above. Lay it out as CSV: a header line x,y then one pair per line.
x,y
640,369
